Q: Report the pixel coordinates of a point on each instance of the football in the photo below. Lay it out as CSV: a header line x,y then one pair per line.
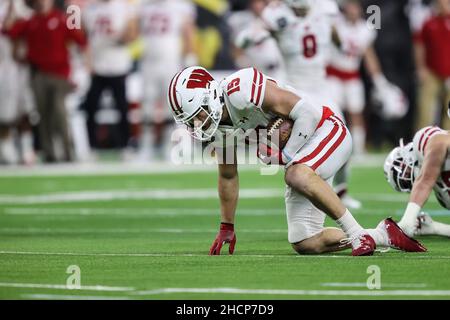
x,y
279,131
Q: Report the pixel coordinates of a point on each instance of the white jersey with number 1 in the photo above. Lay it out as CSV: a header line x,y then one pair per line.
x,y
162,28
106,23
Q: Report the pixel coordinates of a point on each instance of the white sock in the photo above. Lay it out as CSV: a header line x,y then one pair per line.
x,y
359,139
349,225
410,216
146,141
380,236
26,143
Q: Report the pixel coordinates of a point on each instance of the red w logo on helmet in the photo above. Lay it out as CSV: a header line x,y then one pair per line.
x,y
199,78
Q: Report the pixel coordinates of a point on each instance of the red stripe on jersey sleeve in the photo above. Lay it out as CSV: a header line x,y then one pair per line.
x,y
260,85
426,140
255,74
421,138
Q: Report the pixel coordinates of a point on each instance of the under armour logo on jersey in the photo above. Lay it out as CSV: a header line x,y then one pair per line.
x,y
301,135
243,120
199,78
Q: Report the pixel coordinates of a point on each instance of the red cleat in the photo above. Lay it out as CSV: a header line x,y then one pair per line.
x,y
364,245
400,240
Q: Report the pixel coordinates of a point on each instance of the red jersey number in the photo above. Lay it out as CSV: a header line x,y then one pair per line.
x,y
157,24
309,46
103,26
233,86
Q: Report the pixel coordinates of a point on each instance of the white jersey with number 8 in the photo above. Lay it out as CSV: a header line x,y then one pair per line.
x,y
304,43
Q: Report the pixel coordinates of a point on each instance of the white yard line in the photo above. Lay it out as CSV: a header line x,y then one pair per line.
x,y
296,292
127,168
172,194
165,212
62,287
149,194
124,230
105,168
69,297
364,285
164,255
173,212
411,256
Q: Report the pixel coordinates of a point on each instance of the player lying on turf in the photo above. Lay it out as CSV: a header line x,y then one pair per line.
x,y
419,167
319,144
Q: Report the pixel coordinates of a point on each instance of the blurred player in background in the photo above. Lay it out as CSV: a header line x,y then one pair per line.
x,y
111,25
17,101
50,65
167,29
432,50
305,33
420,167
343,70
253,44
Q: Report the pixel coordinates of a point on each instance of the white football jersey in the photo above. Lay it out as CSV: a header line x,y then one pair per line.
x,y
22,12
261,50
162,27
106,22
356,39
442,186
244,93
328,8
303,42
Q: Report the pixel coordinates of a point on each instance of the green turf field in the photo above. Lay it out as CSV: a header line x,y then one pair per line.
x,y
146,236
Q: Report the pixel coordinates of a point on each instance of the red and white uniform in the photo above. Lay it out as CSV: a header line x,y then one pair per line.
x,y
162,24
15,90
343,70
304,44
420,142
106,22
326,149
261,50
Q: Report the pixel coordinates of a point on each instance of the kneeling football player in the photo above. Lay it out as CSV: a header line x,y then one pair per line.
x,y
318,146
420,167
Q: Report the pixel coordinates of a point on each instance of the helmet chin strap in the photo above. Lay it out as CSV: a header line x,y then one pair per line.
x,y
225,113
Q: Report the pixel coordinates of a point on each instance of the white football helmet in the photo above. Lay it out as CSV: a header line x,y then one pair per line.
x,y
400,167
192,91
